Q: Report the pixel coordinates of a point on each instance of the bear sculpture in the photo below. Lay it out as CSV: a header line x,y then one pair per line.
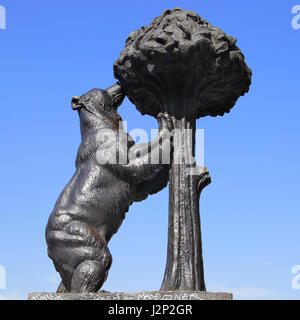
x,y
93,205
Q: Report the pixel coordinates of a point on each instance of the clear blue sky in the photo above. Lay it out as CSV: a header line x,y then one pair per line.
x,y
52,50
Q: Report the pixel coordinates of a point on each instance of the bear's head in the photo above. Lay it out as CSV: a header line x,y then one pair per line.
x,y
99,108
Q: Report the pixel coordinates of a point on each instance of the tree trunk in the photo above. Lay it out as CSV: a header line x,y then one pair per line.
x,y
184,270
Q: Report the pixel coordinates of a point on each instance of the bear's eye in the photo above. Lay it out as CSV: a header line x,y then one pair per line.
x,y
138,153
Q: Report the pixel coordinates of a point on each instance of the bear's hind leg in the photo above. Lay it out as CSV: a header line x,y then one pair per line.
x,y
94,259
90,275
80,255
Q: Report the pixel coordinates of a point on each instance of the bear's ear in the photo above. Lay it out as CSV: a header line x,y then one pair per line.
x,y
75,103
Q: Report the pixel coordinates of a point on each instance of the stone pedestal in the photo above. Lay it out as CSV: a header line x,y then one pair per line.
x,y
150,295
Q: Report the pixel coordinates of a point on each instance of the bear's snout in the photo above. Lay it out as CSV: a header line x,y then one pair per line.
x,y
75,103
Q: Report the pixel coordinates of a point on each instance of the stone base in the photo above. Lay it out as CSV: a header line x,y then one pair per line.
x,y
150,295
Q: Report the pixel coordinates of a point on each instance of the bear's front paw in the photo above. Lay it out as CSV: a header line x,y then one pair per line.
x,y
165,121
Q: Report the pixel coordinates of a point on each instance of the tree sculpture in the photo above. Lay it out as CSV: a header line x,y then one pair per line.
x,y
183,66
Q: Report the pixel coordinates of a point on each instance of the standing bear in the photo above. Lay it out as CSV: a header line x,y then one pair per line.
x,y
111,173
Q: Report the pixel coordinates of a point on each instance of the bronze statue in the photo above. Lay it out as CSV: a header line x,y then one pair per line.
x,y
177,69
92,206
